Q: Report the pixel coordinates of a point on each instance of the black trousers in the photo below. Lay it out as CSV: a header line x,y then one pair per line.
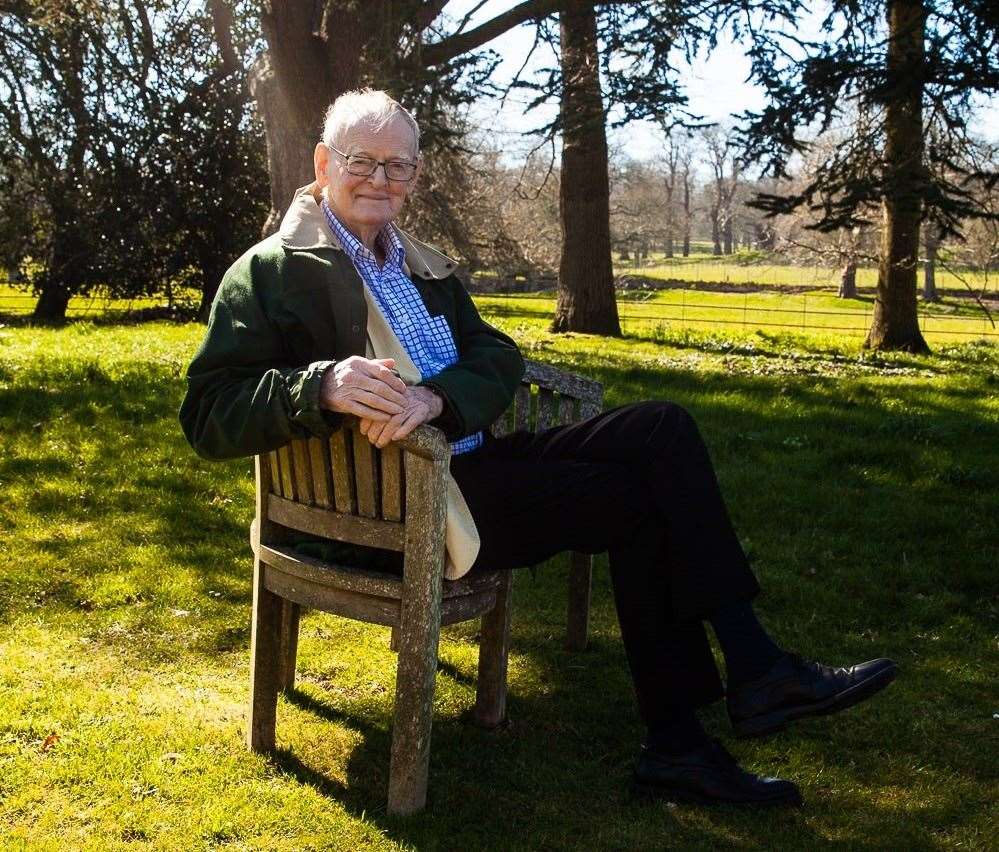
x,y
638,483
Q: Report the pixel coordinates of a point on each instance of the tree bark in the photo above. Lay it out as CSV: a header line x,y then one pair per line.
x,y
53,300
727,235
848,281
931,240
715,232
586,299
896,321
686,214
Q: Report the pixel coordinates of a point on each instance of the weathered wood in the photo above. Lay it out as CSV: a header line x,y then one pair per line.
x,y
547,409
394,639
494,648
342,464
365,476
419,634
274,471
265,662
466,607
285,560
352,528
563,382
355,605
503,424
322,474
392,483
522,408
580,585
290,616
363,485
287,477
303,471
566,410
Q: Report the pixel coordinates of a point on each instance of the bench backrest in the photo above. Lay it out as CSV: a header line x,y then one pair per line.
x,y
345,489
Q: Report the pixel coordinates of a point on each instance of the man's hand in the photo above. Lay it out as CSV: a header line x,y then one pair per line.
x,y
422,405
366,387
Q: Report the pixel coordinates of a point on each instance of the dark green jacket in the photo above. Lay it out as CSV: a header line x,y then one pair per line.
x,y
291,307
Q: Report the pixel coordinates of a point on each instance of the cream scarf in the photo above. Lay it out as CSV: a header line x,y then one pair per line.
x,y
461,537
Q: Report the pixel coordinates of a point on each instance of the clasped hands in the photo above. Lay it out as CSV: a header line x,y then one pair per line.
x,y
388,408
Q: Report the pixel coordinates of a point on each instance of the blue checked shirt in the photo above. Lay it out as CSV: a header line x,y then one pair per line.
x,y
427,339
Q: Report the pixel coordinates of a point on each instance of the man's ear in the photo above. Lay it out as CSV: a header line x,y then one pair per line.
x,y
321,159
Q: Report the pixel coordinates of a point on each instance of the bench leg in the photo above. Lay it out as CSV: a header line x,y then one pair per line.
x,y
416,672
291,614
580,583
494,649
265,663
394,639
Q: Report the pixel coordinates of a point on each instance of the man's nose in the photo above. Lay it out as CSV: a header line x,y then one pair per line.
x,y
378,176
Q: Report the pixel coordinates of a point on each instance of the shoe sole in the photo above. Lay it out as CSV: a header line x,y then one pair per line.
x,y
761,726
687,797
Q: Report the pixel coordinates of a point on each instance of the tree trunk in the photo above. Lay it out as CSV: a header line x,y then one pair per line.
x,y
896,321
848,281
669,243
931,240
53,300
586,300
290,142
715,233
686,214
314,55
727,235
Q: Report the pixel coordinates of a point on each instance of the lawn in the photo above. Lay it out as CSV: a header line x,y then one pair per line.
x,y
664,312
759,268
865,488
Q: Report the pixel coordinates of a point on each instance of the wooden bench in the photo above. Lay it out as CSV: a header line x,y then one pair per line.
x,y
345,490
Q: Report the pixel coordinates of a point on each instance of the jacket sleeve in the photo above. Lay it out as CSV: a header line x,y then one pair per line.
x,y
480,385
243,397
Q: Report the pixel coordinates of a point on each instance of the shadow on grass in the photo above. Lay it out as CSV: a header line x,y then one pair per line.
x,y
106,508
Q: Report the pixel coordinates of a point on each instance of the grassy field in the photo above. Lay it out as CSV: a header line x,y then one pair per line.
x,y
757,268
664,312
865,488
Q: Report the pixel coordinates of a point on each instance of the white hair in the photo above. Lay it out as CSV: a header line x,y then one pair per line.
x,y
372,107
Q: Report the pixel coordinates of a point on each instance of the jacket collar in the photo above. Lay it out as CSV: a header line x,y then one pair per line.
x,y
304,229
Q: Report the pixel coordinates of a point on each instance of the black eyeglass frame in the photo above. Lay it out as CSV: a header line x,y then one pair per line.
x,y
351,160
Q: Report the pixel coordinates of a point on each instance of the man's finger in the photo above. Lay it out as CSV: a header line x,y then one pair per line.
x,y
376,401
358,409
374,384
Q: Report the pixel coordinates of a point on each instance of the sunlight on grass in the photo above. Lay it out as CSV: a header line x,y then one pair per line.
x,y
864,487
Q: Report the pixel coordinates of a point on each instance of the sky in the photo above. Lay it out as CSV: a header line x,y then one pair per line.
x,y
715,86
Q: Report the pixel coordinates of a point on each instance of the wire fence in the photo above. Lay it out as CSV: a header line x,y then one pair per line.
x,y
683,311
736,311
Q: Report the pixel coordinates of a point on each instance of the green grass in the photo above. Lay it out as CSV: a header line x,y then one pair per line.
x,y
865,488
749,268
665,311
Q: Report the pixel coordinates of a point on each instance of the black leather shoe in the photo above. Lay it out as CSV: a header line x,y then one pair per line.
x,y
708,775
795,687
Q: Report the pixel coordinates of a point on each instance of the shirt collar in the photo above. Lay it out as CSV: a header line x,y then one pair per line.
x,y
356,250
304,228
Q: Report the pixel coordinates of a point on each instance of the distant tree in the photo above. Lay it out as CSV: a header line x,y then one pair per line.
x,y
910,64
127,128
676,161
726,172
586,299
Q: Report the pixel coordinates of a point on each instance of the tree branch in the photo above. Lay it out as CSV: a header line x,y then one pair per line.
x,y
447,49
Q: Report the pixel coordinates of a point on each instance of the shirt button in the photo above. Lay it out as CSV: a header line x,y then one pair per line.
x,y
355,329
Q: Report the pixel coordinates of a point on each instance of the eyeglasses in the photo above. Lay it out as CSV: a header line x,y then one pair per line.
x,y
360,166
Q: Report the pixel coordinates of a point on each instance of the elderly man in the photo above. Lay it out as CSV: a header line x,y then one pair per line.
x,y
292,347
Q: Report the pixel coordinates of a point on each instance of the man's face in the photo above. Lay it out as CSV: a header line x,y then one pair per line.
x,y
366,204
